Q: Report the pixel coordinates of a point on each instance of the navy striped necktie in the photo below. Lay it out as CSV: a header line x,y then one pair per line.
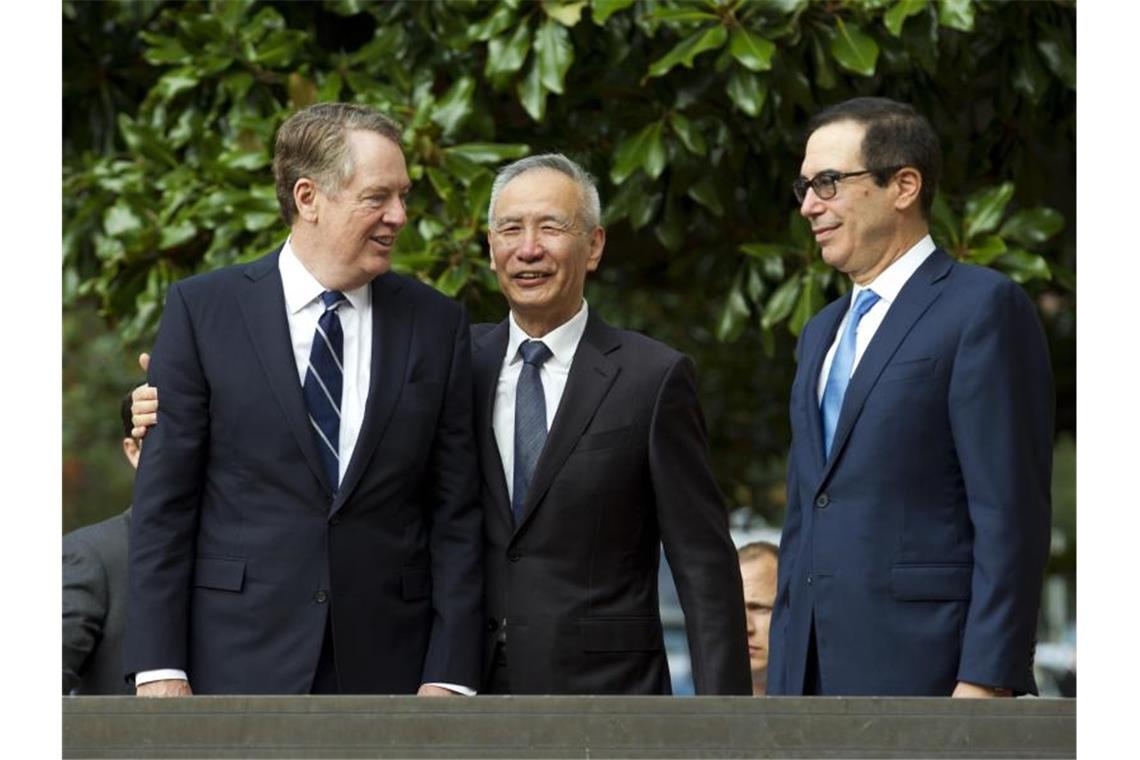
x,y
324,380
530,420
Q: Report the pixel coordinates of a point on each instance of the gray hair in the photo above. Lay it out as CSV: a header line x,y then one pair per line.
x,y
591,205
311,143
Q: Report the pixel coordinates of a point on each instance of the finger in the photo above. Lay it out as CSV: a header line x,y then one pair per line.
x,y
144,361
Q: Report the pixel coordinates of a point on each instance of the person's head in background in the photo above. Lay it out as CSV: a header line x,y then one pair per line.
x,y
758,573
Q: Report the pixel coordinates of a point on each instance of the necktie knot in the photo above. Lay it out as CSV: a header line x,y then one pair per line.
x,y
332,299
534,352
863,303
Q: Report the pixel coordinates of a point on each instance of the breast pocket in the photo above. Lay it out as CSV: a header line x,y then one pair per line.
x,y
907,370
605,439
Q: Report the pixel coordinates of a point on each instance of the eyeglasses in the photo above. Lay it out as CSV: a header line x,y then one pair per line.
x,y
824,183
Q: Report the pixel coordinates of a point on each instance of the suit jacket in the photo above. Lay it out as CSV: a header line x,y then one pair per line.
x,y
238,545
94,606
918,547
625,468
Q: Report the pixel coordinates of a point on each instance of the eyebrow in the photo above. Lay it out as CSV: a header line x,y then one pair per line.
x,y
515,219
374,189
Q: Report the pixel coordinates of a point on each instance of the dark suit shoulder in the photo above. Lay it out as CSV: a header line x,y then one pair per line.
x,y
421,291
103,536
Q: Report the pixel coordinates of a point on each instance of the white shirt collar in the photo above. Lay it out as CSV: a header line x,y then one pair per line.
x,y
562,340
301,288
891,280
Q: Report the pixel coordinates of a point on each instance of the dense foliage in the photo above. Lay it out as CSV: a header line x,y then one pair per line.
x,y
690,112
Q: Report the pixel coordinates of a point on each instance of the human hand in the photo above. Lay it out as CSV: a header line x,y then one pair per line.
x,y
966,690
430,690
168,687
144,404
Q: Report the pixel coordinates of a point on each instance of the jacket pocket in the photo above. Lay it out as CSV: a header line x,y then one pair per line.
x,y
219,572
607,439
641,634
931,582
416,582
907,370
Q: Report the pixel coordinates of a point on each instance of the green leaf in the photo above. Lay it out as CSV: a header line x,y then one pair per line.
x,y
751,50
854,49
1033,226
121,219
763,250
497,23
670,231
733,314
987,249
603,9
565,12
175,81
689,48
902,10
944,224
810,301
163,50
747,91
681,15
453,279
781,303
555,54
489,153
645,149
1061,60
1064,277
704,193
532,95
1024,266
956,14
1029,77
824,71
689,135
984,209
461,167
455,105
506,56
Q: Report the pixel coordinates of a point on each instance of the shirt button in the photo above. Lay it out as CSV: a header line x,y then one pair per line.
x,y
810,579
822,500
321,597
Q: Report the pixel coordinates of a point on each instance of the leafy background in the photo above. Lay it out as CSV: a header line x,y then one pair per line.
x,y
689,113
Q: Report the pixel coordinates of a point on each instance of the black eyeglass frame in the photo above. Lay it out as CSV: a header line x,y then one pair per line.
x,y
829,178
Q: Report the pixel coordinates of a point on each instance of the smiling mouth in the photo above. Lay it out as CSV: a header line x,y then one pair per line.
x,y
531,276
819,231
387,241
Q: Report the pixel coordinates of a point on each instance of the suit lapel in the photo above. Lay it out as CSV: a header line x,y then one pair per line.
x,y
920,291
591,375
263,311
392,318
486,363
831,318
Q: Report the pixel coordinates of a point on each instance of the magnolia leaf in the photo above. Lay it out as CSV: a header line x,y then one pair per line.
x,y
567,13
781,303
956,14
555,54
532,95
747,91
603,9
507,55
855,50
1033,226
645,149
984,209
689,48
689,135
751,50
902,10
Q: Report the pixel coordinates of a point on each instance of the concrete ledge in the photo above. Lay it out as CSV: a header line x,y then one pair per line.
x,y
557,727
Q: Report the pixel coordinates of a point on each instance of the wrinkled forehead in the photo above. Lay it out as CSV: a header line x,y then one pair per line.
x,y
837,146
539,193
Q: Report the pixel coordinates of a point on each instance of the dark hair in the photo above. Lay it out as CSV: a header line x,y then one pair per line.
x,y
896,136
125,414
756,550
311,143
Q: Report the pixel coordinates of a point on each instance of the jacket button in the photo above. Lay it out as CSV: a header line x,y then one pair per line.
x,y
514,556
822,500
492,624
810,579
321,597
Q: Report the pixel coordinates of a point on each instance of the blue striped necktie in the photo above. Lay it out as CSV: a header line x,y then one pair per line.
x,y
840,373
530,420
324,379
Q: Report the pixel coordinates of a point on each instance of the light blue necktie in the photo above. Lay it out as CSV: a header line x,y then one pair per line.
x,y
840,373
323,381
530,420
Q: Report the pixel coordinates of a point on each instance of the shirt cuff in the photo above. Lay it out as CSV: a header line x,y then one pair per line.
x,y
453,687
146,676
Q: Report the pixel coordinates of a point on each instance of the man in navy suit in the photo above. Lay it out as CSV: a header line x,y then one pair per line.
x,y
305,515
922,417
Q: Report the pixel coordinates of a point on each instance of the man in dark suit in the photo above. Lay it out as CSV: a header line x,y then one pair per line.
x,y
922,416
95,594
305,516
593,453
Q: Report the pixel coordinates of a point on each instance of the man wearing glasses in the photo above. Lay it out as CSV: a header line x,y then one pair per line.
x,y
922,417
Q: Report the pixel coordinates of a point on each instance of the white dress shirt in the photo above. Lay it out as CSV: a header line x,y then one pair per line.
x,y
887,285
563,343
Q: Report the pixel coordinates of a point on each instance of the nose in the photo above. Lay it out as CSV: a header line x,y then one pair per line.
x,y
396,214
530,247
811,206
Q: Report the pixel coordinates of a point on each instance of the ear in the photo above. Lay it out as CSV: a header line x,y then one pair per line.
x,y
132,450
597,245
306,195
908,180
